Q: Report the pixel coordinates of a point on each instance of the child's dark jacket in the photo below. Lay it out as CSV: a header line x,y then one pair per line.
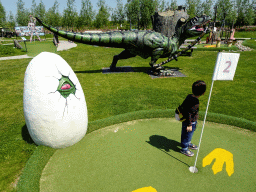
x,y
190,109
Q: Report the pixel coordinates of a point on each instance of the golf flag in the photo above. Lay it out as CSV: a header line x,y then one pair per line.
x,y
225,69
225,66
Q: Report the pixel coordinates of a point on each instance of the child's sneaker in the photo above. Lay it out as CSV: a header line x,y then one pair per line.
x,y
192,146
187,152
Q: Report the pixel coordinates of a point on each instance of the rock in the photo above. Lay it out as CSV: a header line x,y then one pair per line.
x,y
242,47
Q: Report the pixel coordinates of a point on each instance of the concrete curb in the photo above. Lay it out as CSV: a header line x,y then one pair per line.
x,y
15,57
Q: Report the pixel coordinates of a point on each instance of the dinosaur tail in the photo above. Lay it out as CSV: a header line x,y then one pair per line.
x,y
114,39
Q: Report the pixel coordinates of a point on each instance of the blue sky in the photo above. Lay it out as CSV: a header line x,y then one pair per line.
x,y
11,5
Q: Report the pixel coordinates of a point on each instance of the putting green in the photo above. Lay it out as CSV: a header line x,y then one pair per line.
x,y
143,153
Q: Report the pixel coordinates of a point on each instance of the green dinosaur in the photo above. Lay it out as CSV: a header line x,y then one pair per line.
x,y
142,43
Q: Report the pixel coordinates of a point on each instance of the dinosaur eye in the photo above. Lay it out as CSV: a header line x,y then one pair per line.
x,y
66,87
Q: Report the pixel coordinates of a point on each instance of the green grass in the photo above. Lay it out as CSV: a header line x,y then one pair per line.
x,y
250,43
238,34
9,50
245,34
113,94
30,177
35,47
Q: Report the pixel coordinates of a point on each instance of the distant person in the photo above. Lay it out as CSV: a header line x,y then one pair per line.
x,y
32,28
190,110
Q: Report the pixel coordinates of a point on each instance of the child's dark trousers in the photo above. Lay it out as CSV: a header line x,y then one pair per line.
x,y
187,136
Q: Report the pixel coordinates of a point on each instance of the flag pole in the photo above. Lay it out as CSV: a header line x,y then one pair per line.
x,y
193,169
225,68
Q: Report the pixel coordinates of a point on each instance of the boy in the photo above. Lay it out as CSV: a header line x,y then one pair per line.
x,y
190,112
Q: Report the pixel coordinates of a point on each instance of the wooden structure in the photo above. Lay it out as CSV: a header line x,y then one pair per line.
x,y
166,22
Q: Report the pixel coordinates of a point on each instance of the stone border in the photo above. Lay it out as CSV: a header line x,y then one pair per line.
x,y
241,47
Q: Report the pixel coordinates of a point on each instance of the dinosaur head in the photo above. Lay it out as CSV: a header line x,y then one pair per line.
x,y
197,25
193,27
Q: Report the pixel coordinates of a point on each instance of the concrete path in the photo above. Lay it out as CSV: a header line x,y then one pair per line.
x,y
65,45
15,57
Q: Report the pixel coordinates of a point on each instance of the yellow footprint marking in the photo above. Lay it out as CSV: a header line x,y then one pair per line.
x,y
222,156
146,189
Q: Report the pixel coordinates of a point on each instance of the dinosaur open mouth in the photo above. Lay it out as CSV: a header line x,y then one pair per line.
x,y
201,27
197,28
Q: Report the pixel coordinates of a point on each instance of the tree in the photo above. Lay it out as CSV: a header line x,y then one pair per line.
x,y
10,20
118,15
254,9
226,11
2,15
192,8
22,16
162,5
86,14
40,10
240,13
33,8
133,12
70,15
103,14
174,5
147,9
207,7
53,16
249,14
233,14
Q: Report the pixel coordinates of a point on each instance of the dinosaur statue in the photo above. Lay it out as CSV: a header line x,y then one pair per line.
x,y
142,43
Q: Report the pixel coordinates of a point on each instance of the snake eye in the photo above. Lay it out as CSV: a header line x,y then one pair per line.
x,y
66,87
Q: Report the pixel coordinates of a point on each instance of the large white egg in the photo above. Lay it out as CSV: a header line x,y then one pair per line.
x,y
54,104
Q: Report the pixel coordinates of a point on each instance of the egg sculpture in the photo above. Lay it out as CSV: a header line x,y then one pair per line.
x,y
54,104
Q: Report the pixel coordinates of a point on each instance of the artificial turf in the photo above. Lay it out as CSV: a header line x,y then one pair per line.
x,y
141,153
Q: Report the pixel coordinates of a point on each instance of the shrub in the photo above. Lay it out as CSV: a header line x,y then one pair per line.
x,y
246,29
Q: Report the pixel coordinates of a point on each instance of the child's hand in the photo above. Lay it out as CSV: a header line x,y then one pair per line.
x,y
189,128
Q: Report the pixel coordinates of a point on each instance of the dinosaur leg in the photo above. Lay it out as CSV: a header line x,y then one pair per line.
x,y
123,55
156,54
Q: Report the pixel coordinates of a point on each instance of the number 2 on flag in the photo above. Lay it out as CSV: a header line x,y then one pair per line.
x,y
227,69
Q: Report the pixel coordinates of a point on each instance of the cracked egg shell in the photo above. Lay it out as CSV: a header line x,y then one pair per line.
x,y
53,101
